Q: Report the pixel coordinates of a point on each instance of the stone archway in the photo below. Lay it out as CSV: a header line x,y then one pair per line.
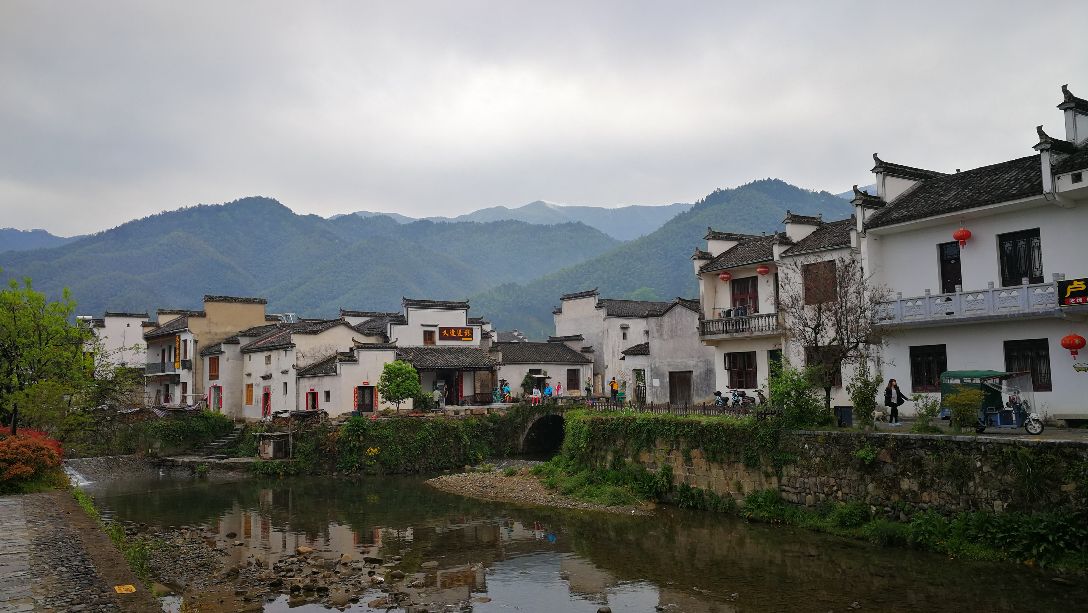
x,y
544,435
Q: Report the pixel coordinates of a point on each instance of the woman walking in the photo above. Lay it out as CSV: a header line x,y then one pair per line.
x,y
893,399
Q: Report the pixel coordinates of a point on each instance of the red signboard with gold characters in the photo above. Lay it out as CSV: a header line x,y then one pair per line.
x,y
458,333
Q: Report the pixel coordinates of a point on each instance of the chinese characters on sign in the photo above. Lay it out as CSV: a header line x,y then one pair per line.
x,y
455,334
1072,292
177,352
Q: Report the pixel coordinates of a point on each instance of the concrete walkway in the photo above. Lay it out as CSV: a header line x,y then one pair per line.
x,y
54,558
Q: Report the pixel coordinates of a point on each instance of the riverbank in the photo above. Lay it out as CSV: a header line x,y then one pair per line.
x,y
53,557
522,487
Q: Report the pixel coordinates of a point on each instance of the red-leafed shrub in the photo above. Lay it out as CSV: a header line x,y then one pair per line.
x,y
25,458
45,439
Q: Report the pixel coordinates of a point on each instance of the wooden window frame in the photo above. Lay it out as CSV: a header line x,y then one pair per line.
x,y
249,394
813,357
213,368
927,362
819,282
1035,248
1036,353
742,368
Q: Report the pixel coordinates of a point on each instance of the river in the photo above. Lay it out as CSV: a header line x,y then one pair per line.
x,y
506,558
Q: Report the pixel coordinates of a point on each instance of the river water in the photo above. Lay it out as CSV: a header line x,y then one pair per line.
x,y
507,558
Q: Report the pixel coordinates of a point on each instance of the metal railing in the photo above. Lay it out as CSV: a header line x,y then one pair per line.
x,y
765,323
990,302
158,368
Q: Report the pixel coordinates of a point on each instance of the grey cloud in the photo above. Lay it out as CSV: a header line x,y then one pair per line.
x,y
112,111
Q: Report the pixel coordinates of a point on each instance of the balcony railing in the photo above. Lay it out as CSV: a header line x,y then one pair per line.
x,y
159,368
1032,299
748,325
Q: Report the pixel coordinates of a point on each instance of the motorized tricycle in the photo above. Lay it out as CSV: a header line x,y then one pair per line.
x,y
1007,401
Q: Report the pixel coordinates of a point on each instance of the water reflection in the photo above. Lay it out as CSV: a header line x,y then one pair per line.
x,y
540,560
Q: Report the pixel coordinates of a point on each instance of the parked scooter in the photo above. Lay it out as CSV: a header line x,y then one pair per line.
x,y
740,398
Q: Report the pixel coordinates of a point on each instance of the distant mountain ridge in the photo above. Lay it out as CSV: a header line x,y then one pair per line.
x,y
622,223
12,239
303,263
657,266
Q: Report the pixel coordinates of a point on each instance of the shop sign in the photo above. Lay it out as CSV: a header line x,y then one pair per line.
x,y
1073,292
177,352
455,333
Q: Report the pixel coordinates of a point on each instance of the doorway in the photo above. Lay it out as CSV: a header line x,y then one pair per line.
x,y
364,399
680,387
266,402
951,274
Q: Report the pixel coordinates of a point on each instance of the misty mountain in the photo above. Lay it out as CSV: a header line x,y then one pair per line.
x,y
302,263
622,223
12,239
657,266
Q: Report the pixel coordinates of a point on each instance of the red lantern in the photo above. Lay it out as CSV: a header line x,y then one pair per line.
x,y
962,235
1074,343
725,276
763,269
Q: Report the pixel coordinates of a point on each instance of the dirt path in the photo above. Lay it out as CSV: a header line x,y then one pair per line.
x,y
55,558
521,489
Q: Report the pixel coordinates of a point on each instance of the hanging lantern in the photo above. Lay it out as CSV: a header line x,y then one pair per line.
x,y
763,269
962,235
1074,343
725,276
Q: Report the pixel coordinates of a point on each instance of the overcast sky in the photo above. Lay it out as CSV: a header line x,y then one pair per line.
x,y
115,110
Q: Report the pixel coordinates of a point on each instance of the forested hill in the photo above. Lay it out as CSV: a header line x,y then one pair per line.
x,y
302,263
23,240
656,266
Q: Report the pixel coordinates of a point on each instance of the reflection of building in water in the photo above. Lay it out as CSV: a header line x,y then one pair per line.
x,y
586,580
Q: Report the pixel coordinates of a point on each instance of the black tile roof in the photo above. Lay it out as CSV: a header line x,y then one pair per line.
x,y
189,312
216,349
906,172
538,353
1069,101
237,299
271,317
379,326
321,368
631,308
832,235
715,235
941,194
451,305
124,314
1048,142
702,255
576,295
352,313
512,336
1074,161
749,251
865,199
433,357
566,338
169,328
809,220
374,346
279,337
639,349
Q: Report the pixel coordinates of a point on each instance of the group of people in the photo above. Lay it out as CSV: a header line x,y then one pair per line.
x,y
546,394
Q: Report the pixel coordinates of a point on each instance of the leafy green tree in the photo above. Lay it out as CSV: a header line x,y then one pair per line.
x,y
42,354
863,389
399,382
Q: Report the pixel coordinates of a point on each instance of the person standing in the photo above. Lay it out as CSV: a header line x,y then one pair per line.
x,y
893,399
614,386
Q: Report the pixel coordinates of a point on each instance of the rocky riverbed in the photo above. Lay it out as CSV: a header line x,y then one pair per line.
x,y
196,564
522,488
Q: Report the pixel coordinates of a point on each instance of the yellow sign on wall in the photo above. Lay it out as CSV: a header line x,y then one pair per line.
x,y
125,589
459,333
177,352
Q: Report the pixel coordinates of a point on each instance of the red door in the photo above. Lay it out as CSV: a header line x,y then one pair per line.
x,y
266,402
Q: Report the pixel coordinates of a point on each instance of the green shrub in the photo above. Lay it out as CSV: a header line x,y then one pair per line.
x,y
510,471
866,455
926,408
964,405
792,391
863,389
850,515
886,533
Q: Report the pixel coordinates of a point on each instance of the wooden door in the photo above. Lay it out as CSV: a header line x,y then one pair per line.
x,y
680,387
364,399
745,294
951,275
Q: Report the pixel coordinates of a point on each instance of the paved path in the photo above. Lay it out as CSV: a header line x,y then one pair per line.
x,y
1049,434
54,558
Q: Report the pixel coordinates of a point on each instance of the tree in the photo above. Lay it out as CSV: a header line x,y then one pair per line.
x,y
832,310
399,382
42,354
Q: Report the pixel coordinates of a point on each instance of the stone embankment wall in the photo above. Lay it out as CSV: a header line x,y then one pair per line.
x,y
898,473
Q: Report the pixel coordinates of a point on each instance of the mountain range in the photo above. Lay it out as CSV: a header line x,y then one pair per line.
x,y
512,271
622,223
303,263
12,239
656,266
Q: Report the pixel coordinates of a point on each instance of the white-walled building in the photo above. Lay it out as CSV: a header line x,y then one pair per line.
x,y
742,279
996,301
672,365
554,360
347,381
120,337
174,372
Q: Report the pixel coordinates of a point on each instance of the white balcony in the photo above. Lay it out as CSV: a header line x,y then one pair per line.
x,y
763,324
1032,300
